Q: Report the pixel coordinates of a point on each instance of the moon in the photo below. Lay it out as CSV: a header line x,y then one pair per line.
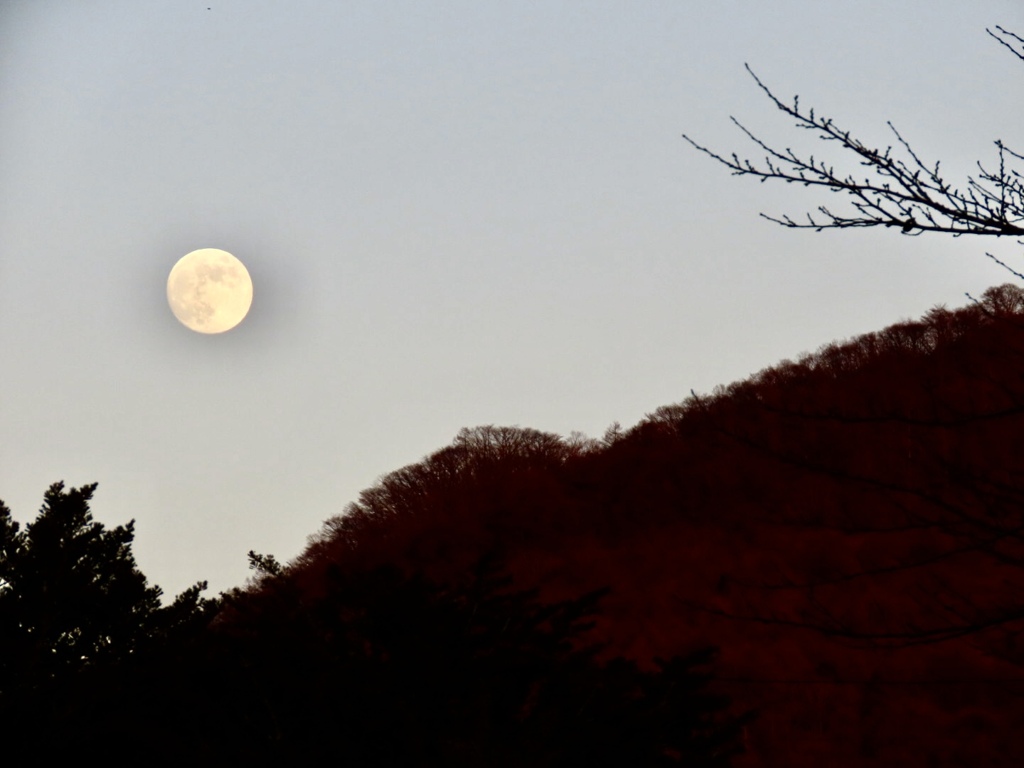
x,y
209,291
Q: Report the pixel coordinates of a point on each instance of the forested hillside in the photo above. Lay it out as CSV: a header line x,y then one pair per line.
x,y
845,528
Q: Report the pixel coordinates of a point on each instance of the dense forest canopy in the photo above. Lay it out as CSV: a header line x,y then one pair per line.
x,y
819,521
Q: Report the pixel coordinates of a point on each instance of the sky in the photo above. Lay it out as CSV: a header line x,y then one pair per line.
x,y
454,214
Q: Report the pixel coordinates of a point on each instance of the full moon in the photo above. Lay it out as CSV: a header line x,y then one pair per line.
x,y
209,291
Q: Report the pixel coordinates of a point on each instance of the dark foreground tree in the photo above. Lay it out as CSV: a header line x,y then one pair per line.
x,y
898,189
71,600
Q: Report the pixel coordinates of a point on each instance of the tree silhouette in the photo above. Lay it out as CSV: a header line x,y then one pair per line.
x,y
899,189
72,600
264,565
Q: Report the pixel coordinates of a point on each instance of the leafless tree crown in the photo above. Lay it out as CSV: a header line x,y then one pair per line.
x,y
899,189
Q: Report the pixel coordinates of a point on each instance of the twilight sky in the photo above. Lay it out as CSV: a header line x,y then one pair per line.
x,y
454,214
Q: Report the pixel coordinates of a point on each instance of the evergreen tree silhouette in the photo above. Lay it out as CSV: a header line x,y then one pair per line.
x,y
73,605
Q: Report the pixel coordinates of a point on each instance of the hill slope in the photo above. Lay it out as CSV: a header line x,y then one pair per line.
x,y
845,527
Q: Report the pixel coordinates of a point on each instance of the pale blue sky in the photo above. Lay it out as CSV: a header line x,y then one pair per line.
x,y
454,213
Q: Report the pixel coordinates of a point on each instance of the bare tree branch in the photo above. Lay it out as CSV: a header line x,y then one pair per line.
x,y
899,190
1012,42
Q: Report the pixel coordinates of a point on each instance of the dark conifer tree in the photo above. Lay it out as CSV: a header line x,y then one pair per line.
x,y
73,606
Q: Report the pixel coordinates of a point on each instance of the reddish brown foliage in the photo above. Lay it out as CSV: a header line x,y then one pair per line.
x,y
860,508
